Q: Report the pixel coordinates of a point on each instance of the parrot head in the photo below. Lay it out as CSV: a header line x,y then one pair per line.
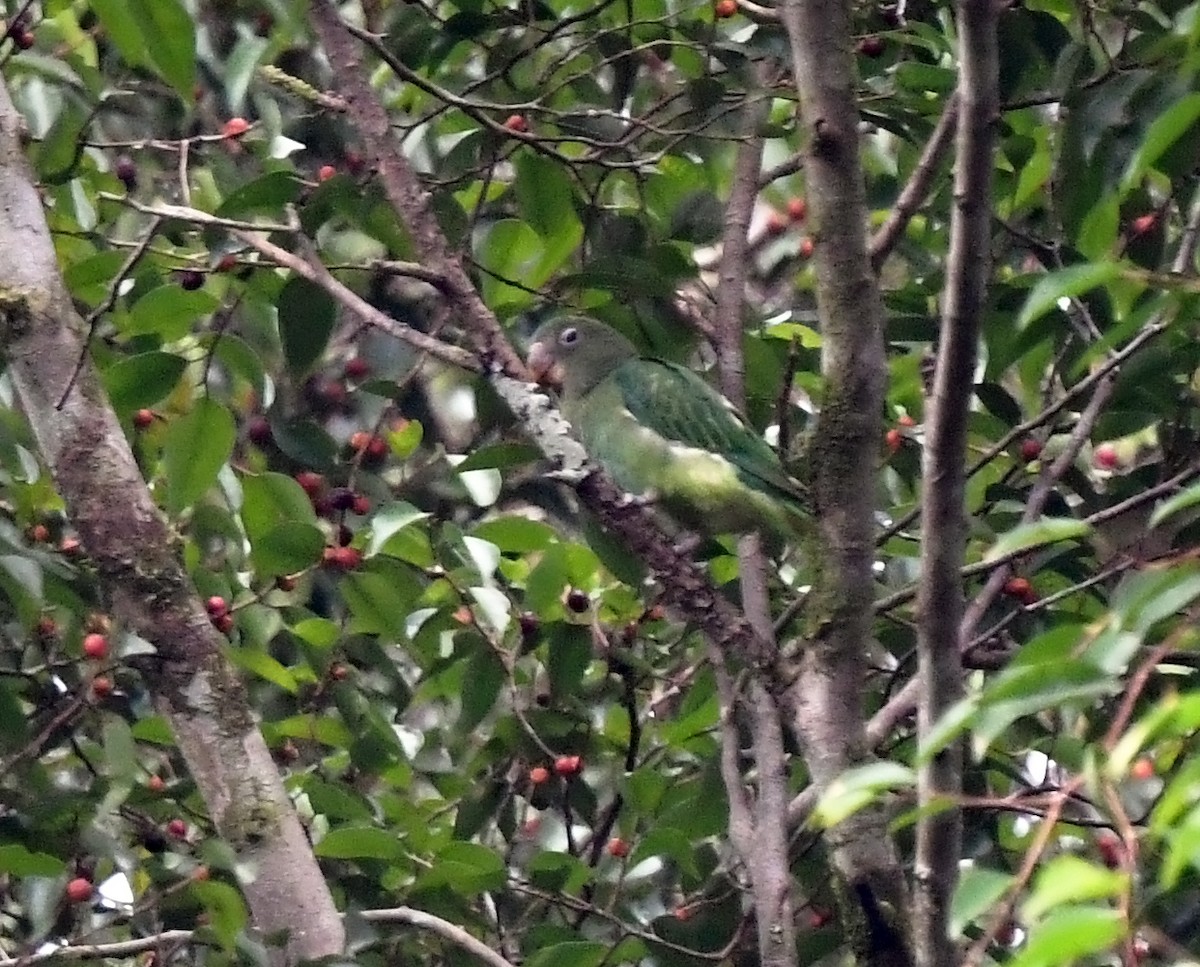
x,y
575,353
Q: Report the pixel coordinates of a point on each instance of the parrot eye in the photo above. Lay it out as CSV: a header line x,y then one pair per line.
x,y
568,337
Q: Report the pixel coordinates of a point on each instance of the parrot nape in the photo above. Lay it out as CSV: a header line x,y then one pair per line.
x,y
661,432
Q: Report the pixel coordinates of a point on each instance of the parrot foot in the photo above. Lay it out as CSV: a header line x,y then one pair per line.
x,y
569,475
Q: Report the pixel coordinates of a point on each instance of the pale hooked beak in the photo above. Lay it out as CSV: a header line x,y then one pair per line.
x,y
545,370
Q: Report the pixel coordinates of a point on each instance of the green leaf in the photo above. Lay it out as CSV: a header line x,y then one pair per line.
x,y
170,41
266,195
286,549
516,535
120,753
169,312
390,519
270,500
121,21
306,319
1182,501
978,891
1163,132
197,446
857,788
336,801
1068,879
1068,934
545,196
481,686
265,667
361,842
500,455
226,912
1064,284
573,953
142,380
18,861
1038,533
374,603
466,868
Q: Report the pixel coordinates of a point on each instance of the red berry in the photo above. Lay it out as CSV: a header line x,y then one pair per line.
x,y
342,558
24,39
359,440
617,847
1143,224
1021,589
286,582
894,439
357,368
362,505
143,419
39,533
905,420
724,9
776,224
805,248
177,829
223,623
216,606
79,890
156,784
538,775
568,765
376,450
516,123
797,209
1030,450
326,172
102,686
871,46
235,127
1106,456
95,646
311,483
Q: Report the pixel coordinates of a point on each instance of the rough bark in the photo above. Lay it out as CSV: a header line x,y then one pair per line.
x,y
845,448
940,603
141,573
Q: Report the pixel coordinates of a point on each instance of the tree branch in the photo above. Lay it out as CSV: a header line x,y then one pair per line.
x,y
943,506
830,687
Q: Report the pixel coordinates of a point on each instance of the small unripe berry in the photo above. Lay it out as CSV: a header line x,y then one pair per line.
x,y
516,123
538,775
95,646
1030,450
797,209
79,890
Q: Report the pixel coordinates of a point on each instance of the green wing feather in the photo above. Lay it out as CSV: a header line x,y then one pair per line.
x,y
679,406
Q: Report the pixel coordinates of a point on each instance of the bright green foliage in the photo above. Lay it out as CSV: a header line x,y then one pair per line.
x,y
419,634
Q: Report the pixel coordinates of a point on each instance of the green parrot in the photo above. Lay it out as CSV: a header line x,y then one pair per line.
x,y
661,432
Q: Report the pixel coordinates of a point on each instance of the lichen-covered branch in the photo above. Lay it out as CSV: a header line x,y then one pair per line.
x,y
845,448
